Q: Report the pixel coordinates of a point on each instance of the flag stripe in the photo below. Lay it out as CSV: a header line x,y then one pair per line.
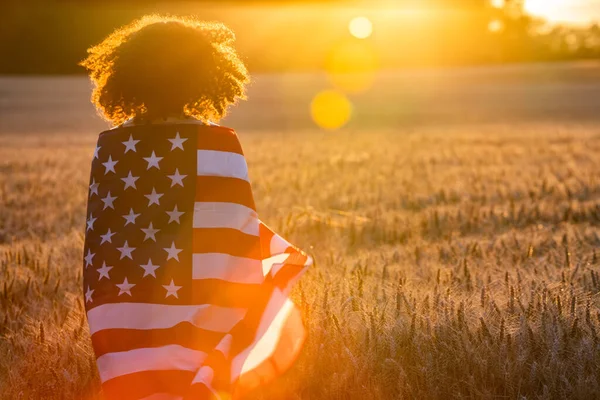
x,y
272,322
135,316
226,267
225,215
221,163
226,241
223,293
225,190
143,384
219,139
288,346
172,357
184,334
163,396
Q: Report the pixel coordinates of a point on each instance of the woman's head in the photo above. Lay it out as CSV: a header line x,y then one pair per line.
x,y
161,66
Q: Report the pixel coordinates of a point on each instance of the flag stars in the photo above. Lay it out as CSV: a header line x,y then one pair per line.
x,y
130,144
107,237
88,295
103,271
153,161
174,215
109,165
125,287
94,187
153,198
88,258
108,201
149,268
173,252
126,251
130,181
90,223
177,142
96,150
131,217
172,289
150,232
176,179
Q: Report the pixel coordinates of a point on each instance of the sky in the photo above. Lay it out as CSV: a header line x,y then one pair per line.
x,y
565,11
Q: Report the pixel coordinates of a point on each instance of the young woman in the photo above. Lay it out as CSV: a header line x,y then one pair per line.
x,y
185,288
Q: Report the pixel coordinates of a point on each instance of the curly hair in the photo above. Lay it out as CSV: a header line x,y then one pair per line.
x,y
160,66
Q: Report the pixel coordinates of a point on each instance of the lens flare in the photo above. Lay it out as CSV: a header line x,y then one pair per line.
x,y
330,109
361,27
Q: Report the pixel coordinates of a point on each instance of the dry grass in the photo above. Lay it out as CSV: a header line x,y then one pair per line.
x,y
455,263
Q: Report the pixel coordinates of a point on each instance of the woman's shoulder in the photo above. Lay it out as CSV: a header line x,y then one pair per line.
x,y
137,124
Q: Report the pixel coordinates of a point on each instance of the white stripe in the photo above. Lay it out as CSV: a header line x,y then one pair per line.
x,y
267,338
273,264
162,396
226,215
222,163
205,375
171,357
227,268
278,244
161,316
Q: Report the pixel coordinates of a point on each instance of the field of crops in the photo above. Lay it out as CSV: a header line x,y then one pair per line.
x,y
451,262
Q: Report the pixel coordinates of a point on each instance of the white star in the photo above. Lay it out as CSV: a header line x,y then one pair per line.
x,y
126,251
171,289
88,258
94,187
96,150
130,144
130,181
153,161
108,201
149,268
104,271
130,218
176,179
150,232
174,215
173,252
90,223
109,165
153,197
88,295
177,142
125,287
107,237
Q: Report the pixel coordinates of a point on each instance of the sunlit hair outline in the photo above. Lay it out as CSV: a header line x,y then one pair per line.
x,y
159,66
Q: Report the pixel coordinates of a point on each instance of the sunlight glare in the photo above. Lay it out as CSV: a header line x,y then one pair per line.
x,y
330,110
361,27
352,66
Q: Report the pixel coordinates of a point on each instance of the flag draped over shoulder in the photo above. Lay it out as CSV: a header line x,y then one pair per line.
x,y
186,290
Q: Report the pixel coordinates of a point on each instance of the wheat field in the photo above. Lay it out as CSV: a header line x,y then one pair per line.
x,y
450,262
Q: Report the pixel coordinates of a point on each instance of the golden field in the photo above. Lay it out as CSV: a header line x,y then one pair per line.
x,y
451,261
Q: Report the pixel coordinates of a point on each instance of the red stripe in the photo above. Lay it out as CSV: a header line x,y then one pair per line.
x,y
142,384
265,235
226,241
199,391
224,190
225,294
184,334
286,274
219,139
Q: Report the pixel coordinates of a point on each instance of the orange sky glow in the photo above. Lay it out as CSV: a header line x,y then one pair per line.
x,y
565,11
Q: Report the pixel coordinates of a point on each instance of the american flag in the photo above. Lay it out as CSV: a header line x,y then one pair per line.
x,y
186,290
